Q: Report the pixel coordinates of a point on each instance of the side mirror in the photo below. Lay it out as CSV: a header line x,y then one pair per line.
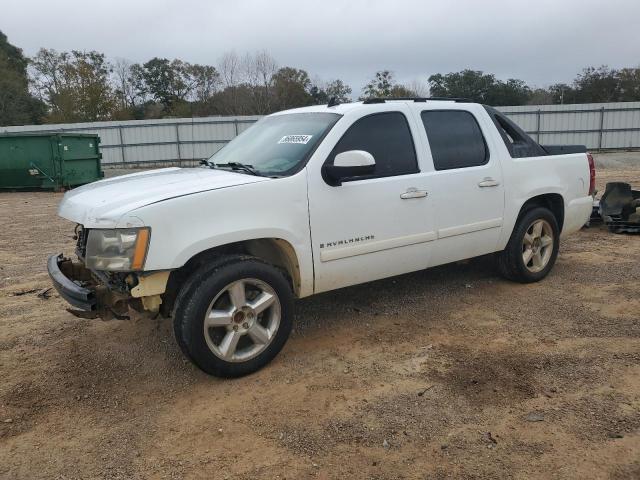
x,y
352,163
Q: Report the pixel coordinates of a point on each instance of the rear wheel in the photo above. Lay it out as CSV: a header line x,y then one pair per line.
x,y
533,247
233,317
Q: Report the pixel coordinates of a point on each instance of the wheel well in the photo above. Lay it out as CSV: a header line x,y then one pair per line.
x,y
274,251
552,201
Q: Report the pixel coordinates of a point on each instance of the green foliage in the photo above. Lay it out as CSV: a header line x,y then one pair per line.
x,y
597,85
383,85
380,86
75,85
291,88
628,84
82,86
17,105
339,90
167,82
335,89
479,87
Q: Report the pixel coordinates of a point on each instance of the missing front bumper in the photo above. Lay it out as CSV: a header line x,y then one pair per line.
x,y
68,279
77,286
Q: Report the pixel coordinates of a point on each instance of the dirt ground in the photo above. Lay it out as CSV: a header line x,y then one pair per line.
x,y
446,373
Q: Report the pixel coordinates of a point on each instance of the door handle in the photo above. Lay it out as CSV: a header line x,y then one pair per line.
x,y
413,193
488,182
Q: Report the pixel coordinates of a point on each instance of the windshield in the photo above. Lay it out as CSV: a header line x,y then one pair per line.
x,y
277,145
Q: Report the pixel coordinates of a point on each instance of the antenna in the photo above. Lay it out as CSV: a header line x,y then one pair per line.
x,y
333,101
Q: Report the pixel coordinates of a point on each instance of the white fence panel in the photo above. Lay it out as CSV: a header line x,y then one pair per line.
x,y
596,125
187,140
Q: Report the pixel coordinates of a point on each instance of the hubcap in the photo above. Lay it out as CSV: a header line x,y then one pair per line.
x,y
537,245
242,320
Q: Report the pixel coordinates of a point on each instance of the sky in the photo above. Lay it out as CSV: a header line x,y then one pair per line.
x,y
539,41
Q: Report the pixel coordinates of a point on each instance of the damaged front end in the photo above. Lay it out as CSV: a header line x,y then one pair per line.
x,y
90,297
100,293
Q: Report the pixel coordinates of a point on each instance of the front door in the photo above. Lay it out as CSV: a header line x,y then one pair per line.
x,y
377,225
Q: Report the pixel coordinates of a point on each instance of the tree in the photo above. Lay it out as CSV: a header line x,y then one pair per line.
x,y
400,91
380,86
229,67
339,90
205,81
258,71
75,85
168,82
17,105
480,87
511,92
291,88
471,84
383,85
419,88
540,96
322,92
597,85
562,93
127,81
629,84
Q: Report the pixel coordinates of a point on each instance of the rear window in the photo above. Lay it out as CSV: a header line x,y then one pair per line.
x,y
519,144
455,139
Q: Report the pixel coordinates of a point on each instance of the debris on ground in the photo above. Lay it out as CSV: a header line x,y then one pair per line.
x,y
24,292
534,417
45,294
425,390
620,208
488,438
596,217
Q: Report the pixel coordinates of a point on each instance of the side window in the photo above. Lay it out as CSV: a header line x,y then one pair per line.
x,y
455,138
387,137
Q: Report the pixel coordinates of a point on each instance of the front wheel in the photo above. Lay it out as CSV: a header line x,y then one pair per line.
x,y
533,247
233,317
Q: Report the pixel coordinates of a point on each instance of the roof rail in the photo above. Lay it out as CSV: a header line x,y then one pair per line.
x,y
417,99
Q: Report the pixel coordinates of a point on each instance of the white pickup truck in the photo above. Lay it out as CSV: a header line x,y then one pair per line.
x,y
314,199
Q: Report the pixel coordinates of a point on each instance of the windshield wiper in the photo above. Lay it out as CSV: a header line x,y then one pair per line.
x,y
237,166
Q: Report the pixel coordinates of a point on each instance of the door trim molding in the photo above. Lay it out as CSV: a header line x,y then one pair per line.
x,y
376,246
470,227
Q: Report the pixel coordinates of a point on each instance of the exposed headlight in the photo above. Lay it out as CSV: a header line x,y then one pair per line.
x,y
119,250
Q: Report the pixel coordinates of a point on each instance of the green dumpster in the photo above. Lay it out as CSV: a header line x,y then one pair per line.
x,y
48,160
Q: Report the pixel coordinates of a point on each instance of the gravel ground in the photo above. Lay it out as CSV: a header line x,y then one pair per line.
x,y
446,373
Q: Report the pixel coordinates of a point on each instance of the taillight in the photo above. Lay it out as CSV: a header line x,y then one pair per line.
x,y
592,174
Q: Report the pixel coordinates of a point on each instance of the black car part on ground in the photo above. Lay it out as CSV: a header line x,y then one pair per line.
x,y
596,217
91,298
620,208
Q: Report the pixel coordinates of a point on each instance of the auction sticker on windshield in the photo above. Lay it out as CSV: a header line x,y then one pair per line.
x,y
303,139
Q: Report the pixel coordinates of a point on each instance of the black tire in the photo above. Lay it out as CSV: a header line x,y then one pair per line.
x,y
510,261
197,295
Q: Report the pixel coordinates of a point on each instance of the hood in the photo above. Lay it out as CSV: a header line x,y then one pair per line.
x,y
102,204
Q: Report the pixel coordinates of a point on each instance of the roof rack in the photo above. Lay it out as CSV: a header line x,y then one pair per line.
x,y
418,99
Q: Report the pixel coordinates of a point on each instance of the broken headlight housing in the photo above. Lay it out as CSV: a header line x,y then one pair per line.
x,y
117,250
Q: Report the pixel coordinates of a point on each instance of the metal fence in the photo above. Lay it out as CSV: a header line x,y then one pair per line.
x,y
599,126
184,141
181,141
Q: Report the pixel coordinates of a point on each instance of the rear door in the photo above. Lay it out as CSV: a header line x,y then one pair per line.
x,y
468,188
